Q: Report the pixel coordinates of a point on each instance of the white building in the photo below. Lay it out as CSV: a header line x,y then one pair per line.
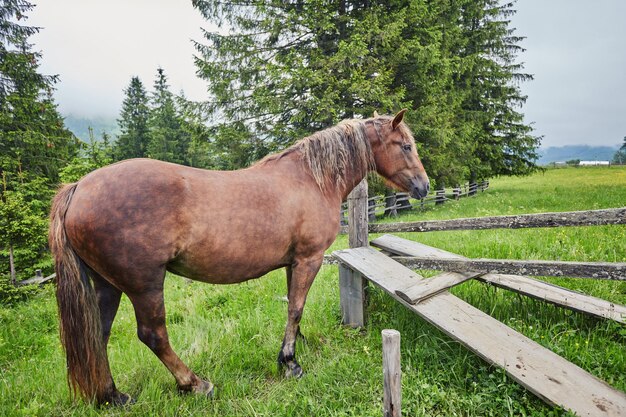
x,y
594,163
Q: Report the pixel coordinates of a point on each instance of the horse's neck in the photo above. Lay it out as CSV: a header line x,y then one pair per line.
x,y
351,180
334,189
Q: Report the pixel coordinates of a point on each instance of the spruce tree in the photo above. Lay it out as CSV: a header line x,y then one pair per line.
x,y
34,144
286,69
279,70
502,144
168,141
133,122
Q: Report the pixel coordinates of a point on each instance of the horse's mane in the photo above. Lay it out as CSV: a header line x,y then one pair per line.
x,y
328,154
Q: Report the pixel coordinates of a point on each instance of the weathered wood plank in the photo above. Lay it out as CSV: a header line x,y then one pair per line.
x,y
547,375
596,270
557,295
392,374
423,289
405,247
38,280
351,297
534,288
571,218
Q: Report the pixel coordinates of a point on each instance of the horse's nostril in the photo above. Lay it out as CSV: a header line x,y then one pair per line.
x,y
428,186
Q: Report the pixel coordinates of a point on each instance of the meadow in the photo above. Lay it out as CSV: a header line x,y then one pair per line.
x,y
231,334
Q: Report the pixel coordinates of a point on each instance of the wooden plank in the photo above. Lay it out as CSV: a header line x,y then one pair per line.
x,y
392,374
534,288
351,297
421,290
571,218
405,247
558,295
546,374
595,270
38,280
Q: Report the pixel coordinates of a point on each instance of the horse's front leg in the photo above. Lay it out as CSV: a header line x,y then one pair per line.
x,y
300,276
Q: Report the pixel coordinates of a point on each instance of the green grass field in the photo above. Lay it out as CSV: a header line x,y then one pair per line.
x,y
232,334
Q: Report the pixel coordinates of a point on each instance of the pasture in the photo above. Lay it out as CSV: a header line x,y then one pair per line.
x,y
232,333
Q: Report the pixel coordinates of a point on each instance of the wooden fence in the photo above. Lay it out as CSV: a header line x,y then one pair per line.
x,y
390,205
549,376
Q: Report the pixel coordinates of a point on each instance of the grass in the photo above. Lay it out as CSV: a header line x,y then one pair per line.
x,y
232,333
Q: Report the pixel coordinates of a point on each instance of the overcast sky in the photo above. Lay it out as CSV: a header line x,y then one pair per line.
x,y
576,50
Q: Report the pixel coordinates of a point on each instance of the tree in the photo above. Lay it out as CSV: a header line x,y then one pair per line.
x,y
286,69
21,225
133,122
168,141
34,144
489,81
620,155
93,155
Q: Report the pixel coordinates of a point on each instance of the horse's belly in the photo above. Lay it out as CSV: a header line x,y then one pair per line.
x,y
229,267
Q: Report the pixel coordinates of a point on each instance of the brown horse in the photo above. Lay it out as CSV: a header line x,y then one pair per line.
x,y
123,226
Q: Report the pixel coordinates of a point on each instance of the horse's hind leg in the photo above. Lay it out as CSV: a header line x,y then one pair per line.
x,y
108,298
150,314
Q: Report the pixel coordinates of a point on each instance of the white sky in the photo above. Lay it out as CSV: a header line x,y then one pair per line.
x,y
96,46
576,49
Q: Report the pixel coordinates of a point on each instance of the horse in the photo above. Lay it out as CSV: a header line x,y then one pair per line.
x,y
121,227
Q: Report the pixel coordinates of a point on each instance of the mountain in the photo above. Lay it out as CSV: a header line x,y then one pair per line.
x,y
582,152
80,126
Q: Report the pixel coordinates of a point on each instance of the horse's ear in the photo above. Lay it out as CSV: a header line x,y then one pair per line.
x,y
375,113
398,119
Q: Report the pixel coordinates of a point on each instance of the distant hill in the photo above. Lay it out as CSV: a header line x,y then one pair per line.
x,y
80,126
582,152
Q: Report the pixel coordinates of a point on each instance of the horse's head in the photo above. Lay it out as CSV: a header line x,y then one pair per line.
x,y
396,157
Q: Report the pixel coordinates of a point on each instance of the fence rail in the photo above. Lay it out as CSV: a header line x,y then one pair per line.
x,y
390,205
521,221
595,270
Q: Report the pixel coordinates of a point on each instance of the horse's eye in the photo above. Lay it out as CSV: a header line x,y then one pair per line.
x,y
406,147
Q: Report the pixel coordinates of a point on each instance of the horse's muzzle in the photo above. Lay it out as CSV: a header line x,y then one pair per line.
x,y
419,188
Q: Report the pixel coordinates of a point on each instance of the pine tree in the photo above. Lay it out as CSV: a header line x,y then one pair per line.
x,y
620,155
488,82
285,69
93,155
34,144
168,141
193,123
33,140
133,122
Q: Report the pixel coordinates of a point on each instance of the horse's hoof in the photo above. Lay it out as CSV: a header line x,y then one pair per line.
x,y
294,371
118,399
205,388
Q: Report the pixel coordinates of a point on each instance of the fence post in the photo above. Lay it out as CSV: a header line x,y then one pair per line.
x,y
371,210
472,188
456,192
390,204
392,374
440,196
352,284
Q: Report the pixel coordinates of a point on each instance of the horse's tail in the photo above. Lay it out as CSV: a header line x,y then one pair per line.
x,y
80,328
